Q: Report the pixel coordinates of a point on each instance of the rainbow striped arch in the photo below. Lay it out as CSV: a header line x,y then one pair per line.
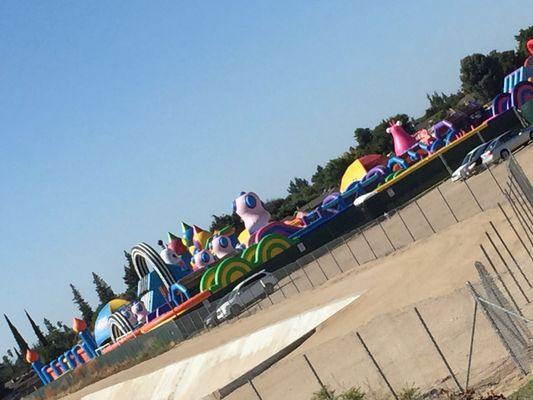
x,y
270,246
249,254
522,93
230,270
208,280
501,103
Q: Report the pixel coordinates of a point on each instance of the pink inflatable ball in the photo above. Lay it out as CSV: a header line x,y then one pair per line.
x,y
402,140
529,46
252,211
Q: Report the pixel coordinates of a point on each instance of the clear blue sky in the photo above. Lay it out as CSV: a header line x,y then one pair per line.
x,y
119,119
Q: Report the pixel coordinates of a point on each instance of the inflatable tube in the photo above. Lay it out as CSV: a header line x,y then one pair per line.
x,y
142,253
437,144
182,295
397,161
501,103
270,246
522,93
230,270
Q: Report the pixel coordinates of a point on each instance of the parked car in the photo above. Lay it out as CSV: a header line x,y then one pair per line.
x,y
471,164
504,145
248,291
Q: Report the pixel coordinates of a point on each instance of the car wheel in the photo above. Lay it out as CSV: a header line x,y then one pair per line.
x,y
269,288
235,310
504,154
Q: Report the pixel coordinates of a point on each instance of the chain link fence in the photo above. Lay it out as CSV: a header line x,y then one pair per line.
x,y
428,214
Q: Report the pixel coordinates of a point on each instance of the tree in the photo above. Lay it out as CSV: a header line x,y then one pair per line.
x,y
221,221
37,330
523,36
481,75
103,290
297,185
50,328
130,277
23,345
363,137
84,308
509,60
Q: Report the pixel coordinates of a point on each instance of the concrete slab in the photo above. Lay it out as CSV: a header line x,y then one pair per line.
x,y
202,374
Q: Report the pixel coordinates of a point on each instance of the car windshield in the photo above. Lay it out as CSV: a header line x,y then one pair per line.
x,y
248,282
468,157
480,150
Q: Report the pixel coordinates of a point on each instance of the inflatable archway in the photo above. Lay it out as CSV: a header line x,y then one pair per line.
x,y
142,253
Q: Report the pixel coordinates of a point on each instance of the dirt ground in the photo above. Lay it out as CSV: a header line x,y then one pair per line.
x,y
429,273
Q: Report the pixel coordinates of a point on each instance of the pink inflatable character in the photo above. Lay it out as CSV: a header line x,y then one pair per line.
x,y
402,140
252,211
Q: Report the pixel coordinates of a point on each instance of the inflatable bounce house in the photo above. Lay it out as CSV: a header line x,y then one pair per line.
x,y
203,266
517,89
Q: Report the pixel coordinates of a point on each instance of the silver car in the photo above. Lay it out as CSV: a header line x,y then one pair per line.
x,y
470,164
504,145
248,291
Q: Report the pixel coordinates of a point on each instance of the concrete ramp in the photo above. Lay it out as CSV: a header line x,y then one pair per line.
x,y
202,374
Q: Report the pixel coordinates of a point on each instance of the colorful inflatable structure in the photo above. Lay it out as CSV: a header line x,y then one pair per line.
x,y
203,265
79,355
517,89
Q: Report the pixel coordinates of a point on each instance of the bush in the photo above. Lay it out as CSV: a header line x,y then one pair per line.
x,y
326,393
410,393
352,394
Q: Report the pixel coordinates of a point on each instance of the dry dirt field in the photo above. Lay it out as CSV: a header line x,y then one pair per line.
x,y
429,273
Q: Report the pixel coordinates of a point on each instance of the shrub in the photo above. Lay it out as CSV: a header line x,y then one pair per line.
x,y
352,394
410,393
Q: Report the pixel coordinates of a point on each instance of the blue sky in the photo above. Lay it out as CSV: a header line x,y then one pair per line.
x,y
119,119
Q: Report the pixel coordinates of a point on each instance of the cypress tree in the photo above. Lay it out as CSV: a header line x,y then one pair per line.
x,y
103,290
49,326
130,277
84,307
38,332
23,345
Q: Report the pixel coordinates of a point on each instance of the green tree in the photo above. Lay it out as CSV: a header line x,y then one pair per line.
x,y
481,75
363,137
221,221
37,330
130,277
298,185
523,36
22,344
103,290
509,60
84,308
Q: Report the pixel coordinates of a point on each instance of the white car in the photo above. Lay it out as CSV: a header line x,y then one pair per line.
x,y
246,292
504,145
470,163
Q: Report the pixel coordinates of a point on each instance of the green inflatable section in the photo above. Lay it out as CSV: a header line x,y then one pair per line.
x,y
270,246
230,270
208,280
249,254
